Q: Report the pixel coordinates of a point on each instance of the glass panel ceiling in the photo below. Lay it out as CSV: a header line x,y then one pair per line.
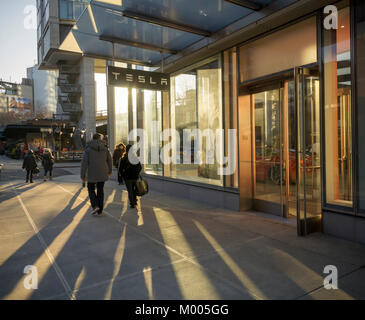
x,y
93,46
112,24
211,15
105,18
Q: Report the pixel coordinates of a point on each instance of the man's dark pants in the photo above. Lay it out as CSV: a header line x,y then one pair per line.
x,y
29,175
132,192
96,199
48,170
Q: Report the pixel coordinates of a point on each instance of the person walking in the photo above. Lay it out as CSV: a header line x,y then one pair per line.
x,y
96,168
29,164
130,169
117,155
47,163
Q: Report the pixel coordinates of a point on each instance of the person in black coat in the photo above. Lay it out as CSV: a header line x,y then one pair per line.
x,y
47,163
29,164
129,169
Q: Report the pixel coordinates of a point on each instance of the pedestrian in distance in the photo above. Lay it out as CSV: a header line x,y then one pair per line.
x,y
130,169
47,163
30,165
117,155
96,168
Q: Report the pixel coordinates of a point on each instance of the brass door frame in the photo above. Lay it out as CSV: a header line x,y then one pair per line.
x,y
273,85
282,84
305,225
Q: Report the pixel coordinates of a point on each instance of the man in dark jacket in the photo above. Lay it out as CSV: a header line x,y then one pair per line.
x,y
29,164
97,166
129,169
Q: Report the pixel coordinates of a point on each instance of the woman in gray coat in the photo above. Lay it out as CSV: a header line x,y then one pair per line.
x,y
96,168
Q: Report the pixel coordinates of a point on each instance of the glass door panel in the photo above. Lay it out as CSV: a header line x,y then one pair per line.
x,y
308,161
268,165
290,147
286,150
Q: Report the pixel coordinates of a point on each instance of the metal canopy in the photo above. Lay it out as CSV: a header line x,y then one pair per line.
x,y
146,32
246,3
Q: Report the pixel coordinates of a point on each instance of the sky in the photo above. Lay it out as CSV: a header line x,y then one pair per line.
x,y
18,38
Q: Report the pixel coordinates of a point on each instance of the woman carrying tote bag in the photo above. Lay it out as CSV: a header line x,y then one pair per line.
x,y
130,169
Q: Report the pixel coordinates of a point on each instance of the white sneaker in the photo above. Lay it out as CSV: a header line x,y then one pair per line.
x,y
95,210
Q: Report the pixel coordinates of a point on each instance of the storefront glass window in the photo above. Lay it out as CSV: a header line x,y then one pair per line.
x,y
152,125
101,100
196,103
338,109
121,115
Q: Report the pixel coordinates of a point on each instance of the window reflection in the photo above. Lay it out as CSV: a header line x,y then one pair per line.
x,y
152,126
101,95
338,90
196,103
72,9
121,115
267,146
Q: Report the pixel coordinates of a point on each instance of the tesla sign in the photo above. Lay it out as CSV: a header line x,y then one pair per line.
x,y
122,77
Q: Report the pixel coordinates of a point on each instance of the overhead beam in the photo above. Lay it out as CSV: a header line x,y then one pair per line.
x,y
130,61
137,44
166,23
246,4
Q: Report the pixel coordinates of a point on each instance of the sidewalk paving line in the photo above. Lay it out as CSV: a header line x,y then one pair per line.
x,y
117,279
60,274
46,250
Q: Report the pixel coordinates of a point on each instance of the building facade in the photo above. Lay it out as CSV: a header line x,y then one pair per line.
x,y
75,83
45,92
283,80
16,102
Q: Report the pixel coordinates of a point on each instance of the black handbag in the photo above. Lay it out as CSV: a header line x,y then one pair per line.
x,y
36,170
141,187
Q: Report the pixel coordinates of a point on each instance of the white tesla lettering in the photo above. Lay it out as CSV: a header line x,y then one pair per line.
x,y
151,82
116,75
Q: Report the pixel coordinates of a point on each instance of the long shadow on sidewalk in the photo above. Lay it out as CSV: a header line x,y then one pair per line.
x,y
114,261
251,261
11,271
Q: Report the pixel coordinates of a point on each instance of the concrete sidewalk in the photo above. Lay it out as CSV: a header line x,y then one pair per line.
x,y
169,248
